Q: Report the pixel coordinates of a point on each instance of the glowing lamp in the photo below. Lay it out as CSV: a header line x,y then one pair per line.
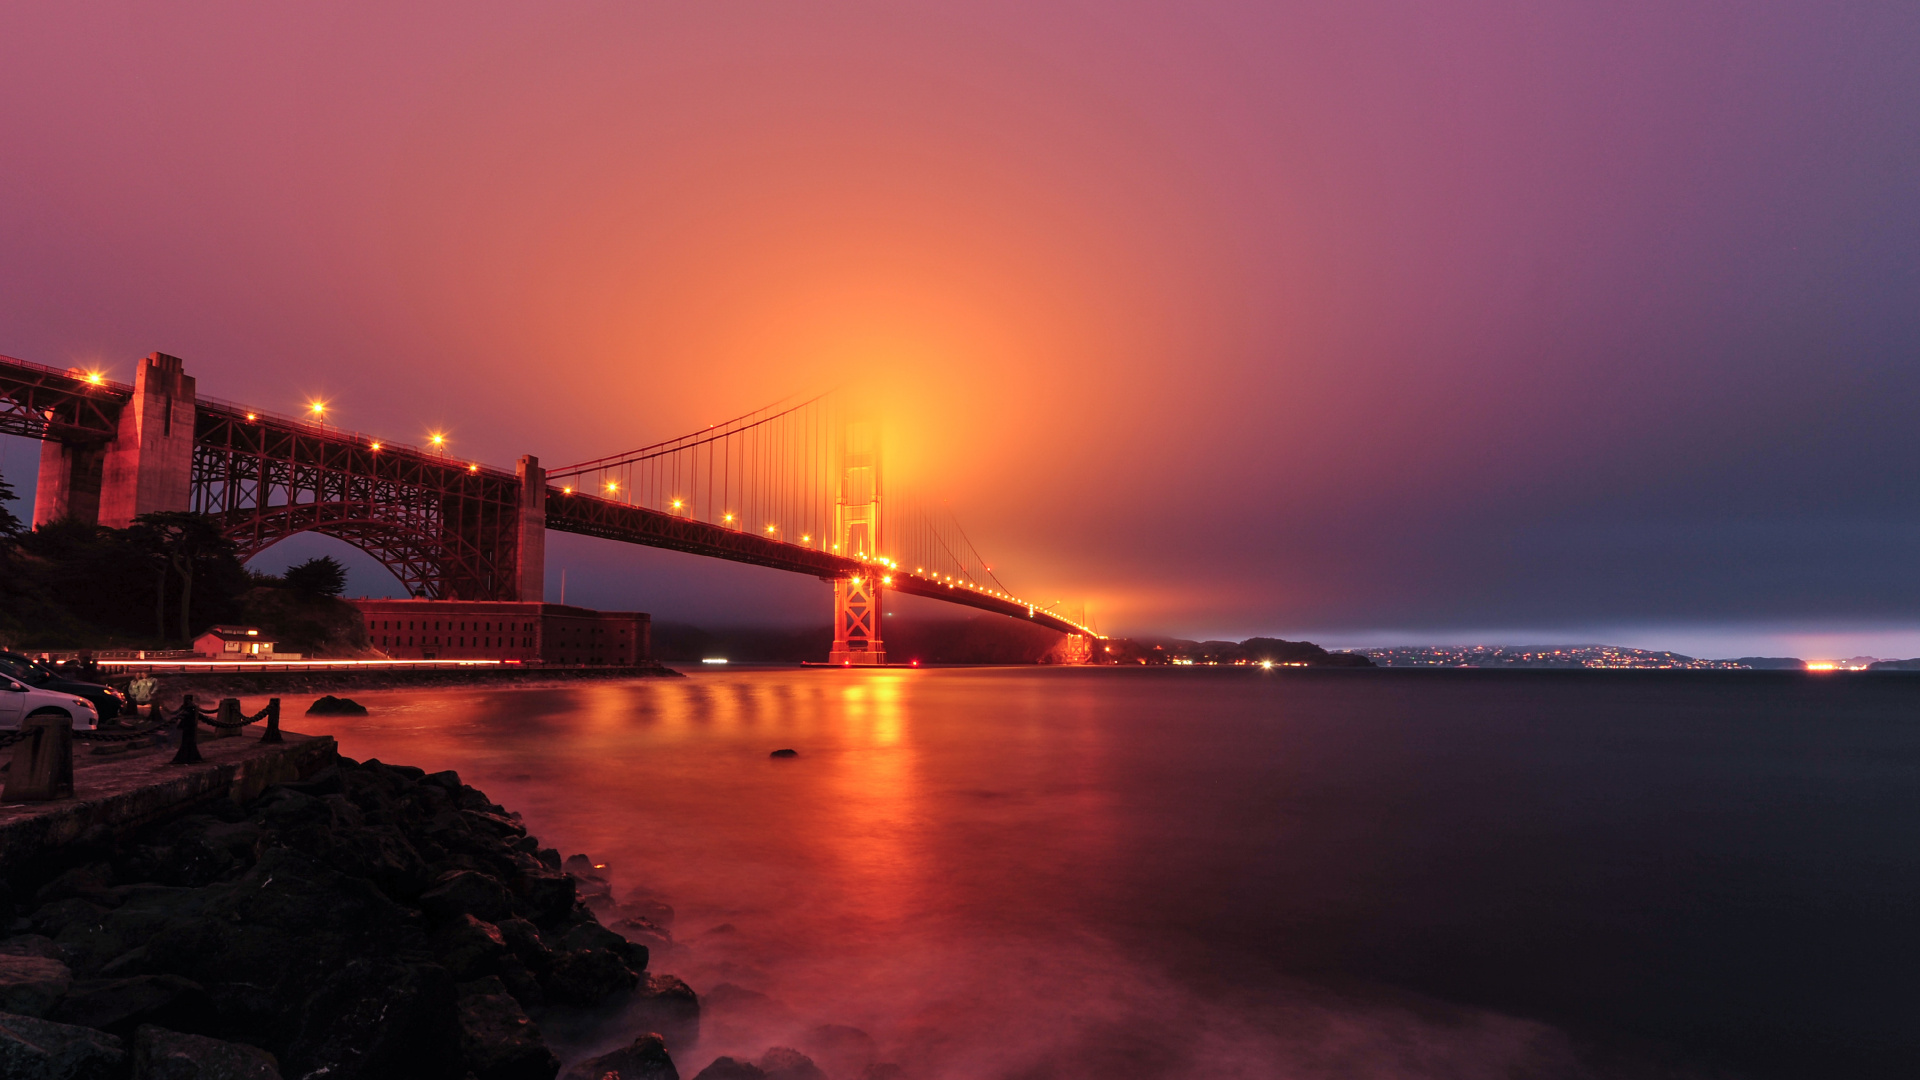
x,y
375,446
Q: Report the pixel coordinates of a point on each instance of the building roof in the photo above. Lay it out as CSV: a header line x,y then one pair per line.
x,y
234,633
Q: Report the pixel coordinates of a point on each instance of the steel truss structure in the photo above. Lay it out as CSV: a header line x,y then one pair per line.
x,y
40,402
445,528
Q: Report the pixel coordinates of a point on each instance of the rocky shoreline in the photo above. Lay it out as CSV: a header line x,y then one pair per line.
x,y
371,921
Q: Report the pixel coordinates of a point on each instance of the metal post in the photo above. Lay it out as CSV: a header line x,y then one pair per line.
x,y
42,761
229,713
189,734
273,722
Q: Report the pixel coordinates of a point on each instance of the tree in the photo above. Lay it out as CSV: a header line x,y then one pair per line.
x,y
320,576
9,525
183,540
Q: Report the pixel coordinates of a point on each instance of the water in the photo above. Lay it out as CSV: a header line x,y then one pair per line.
x,y
1055,874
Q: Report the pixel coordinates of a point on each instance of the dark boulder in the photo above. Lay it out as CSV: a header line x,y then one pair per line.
x,y
118,1006
726,1068
374,1019
464,892
786,1063
159,1054
589,976
32,1049
470,948
670,1007
29,985
840,1050
644,1059
499,1041
328,705
591,935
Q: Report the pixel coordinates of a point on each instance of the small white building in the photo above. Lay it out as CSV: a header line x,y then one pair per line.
x,y
233,643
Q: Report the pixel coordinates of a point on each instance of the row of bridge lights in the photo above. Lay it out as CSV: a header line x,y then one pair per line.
x,y
613,488
317,410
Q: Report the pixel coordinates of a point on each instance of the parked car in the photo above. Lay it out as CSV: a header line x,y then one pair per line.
x,y
19,701
108,703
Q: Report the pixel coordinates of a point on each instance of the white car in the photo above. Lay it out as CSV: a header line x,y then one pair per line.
x,y
19,701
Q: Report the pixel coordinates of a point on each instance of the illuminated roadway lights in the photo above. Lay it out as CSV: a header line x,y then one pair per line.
x,y
375,447
94,378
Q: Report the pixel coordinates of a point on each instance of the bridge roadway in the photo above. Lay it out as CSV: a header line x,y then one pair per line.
x,y
381,496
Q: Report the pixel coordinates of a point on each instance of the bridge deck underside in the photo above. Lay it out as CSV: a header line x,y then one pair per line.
x,y
589,516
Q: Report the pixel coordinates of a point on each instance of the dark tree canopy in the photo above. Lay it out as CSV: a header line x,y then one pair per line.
x,y
320,576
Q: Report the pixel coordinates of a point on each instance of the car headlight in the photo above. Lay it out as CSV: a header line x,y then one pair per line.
x,y
83,703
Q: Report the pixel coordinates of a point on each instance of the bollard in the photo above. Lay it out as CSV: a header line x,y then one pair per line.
x,y
273,722
189,734
42,761
229,714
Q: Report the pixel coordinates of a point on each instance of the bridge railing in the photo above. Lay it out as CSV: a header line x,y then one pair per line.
x,y
359,439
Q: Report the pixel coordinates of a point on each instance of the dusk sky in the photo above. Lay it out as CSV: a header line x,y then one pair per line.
x,y
1369,322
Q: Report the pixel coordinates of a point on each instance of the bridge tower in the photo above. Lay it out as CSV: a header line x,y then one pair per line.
x,y
856,597
146,466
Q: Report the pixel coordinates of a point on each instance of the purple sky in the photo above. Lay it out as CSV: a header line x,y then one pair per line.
x,y
1366,321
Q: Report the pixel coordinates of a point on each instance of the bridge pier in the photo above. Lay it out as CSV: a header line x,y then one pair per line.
x,y
856,622
69,484
530,574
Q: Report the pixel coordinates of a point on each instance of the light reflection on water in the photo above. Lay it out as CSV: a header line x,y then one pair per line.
x,y
1052,874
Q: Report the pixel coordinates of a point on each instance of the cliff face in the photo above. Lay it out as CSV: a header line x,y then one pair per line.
x,y
373,921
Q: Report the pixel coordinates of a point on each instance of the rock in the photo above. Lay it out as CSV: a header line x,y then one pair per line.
x,y
79,881
589,976
594,936
32,1049
648,909
29,985
528,946
121,1005
784,754
645,1059
549,894
670,1007
159,1054
839,1049
32,945
464,892
375,1019
500,1042
786,1063
588,866
329,705
726,1068
470,948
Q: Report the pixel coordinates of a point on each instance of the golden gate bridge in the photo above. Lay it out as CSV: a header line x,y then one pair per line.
x,y
799,486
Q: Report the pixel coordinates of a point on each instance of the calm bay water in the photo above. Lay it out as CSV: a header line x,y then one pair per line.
x,y
1204,873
